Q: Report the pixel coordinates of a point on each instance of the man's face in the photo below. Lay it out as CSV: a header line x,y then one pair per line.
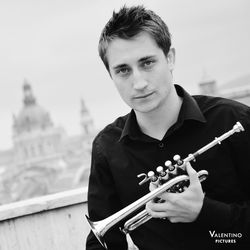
x,y
141,72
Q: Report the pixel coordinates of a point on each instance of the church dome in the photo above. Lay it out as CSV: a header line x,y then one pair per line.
x,y
32,116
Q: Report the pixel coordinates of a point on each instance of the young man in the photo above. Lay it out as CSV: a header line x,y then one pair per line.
x,y
165,120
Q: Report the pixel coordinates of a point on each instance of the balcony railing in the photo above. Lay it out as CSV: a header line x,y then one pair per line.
x,y
52,222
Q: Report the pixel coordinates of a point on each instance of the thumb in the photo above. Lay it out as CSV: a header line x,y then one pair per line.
x,y
193,175
152,186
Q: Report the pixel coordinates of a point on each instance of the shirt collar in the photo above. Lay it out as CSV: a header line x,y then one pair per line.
x,y
189,111
131,127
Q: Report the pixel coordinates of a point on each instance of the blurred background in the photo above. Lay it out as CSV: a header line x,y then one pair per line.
x,y
55,93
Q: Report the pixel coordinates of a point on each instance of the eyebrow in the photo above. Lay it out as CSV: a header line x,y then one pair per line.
x,y
146,58
123,65
119,66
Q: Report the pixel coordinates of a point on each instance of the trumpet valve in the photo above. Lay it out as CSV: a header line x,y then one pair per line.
x,y
152,177
161,171
178,160
172,170
169,166
163,175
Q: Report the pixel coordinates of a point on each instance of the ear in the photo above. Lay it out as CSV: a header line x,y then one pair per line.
x,y
171,58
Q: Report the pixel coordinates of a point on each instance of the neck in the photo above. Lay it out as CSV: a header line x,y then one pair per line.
x,y
157,122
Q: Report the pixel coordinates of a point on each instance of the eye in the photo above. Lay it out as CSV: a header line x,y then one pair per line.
x,y
148,63
122,71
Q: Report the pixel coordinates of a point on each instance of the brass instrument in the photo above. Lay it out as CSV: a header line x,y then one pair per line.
x,y
144,216
173,183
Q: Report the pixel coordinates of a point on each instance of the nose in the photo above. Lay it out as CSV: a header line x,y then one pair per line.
x,y
139,81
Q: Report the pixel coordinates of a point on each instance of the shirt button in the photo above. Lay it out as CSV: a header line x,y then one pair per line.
x,y
161,144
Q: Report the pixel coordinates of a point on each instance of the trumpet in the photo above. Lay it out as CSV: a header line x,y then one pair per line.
x,y
144,216
174,179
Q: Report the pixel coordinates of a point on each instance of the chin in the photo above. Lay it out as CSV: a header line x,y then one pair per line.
x,y
145,109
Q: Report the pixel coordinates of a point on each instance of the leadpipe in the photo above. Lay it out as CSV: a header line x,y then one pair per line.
x,y
236,129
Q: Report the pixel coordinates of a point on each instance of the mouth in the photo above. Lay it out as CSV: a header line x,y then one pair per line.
x,y
143,96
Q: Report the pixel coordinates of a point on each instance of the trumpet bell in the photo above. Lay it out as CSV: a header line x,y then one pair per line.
x,y
97,233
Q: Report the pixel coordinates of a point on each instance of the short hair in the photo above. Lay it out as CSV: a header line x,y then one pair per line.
x,y
129,22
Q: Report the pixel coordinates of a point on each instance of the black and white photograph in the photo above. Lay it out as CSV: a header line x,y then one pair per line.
x,y
125,125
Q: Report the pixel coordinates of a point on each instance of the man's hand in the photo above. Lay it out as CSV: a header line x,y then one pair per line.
x,y
179,207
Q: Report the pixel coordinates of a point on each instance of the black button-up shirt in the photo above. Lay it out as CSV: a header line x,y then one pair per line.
x,y
121,152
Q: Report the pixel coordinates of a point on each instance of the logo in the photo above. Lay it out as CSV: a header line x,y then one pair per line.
x,y
224,237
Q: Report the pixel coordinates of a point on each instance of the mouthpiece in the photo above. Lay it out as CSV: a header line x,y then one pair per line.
x,y
238,127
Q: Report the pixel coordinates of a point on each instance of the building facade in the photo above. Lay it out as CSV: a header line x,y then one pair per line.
x,y
237,89
44,159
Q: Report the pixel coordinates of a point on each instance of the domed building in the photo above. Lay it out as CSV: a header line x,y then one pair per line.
x,y
32,116
34,136
44,159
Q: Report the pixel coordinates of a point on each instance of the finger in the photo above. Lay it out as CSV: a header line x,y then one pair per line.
x,y
170,198
155,207
159,207
174,219
152,186
193,175
160,215
154,213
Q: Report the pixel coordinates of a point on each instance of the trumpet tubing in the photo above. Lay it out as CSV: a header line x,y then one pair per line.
x,y
172,184
144,216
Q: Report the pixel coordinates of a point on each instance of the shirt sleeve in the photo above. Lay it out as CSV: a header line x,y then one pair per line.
x,y
103,200
234,217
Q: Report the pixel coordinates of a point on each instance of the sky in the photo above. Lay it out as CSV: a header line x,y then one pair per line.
x,y
53,45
